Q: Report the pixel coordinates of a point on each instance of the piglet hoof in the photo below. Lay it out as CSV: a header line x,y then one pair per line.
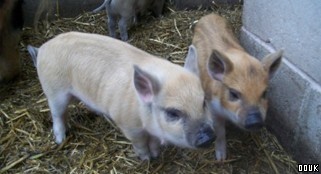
x,y
59,138
143,154
124,37
220,155
155,153
144,157
111,33
154,145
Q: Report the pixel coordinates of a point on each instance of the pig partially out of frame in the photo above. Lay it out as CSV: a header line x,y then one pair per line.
x,y
151,100
11,23
127,11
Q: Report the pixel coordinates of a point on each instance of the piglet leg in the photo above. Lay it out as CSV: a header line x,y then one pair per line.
x,y
111,24
58,104
139,139
154,145
220,143
123,28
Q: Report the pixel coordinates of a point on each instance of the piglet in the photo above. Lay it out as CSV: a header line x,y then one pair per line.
x,y
151,100
235,82
128,10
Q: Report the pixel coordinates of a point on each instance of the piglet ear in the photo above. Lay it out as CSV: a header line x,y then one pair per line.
x,y
146,85
218,65
272,62
191,60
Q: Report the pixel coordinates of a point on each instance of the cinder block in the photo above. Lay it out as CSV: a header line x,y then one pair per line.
x,y
292,25
253,44
294,104
287,95
310,124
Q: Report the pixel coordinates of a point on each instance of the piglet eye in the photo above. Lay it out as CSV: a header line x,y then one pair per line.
x,y
233,95
264,95
173,114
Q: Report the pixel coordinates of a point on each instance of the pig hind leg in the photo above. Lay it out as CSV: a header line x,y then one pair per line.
x,y
123,27
58,105
111,23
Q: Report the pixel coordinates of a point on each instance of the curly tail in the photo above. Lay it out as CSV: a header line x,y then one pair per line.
x,y
33,51
101,6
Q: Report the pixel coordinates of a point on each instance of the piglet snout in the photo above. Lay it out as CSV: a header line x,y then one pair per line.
x,y
254,121
205,137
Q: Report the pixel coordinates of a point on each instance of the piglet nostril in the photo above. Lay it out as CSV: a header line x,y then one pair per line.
x,y
254,121
205,137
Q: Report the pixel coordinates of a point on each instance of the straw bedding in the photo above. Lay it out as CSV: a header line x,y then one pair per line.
x,y
95,145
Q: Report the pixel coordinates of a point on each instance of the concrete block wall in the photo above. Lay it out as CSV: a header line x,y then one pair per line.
x,y
294,114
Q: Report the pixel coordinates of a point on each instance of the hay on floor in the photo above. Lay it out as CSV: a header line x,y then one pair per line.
x,y
94,145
